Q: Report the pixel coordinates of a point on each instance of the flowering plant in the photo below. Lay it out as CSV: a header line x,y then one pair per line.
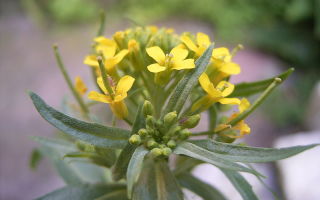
x,y
159,83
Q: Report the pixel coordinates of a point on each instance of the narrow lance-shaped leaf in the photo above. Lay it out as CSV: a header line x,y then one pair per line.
x,y
95,134
202,189
187,83
134,167
200,153
157,182
120,168
247,89
247,154
241,184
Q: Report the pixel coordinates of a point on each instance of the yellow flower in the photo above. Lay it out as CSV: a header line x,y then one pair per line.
x,y
222,60
241,127
203,42
176,59
81,88
214,94
115,100
133,45
108,49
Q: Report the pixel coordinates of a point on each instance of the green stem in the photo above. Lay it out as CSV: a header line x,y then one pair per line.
x,y
69,82
262,97
102,23
105,78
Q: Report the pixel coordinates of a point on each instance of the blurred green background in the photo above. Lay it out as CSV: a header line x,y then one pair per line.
x,y
276,35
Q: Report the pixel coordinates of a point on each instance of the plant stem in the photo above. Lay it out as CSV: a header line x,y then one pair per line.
x,y
105,78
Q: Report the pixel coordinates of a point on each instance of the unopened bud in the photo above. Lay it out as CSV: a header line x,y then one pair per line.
x,y
171,144
191,121
170,118
135,139
185,133
147,108
152,144
166,151
143,132
156,152
150,122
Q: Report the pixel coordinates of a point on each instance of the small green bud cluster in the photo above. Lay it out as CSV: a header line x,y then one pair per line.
x,y
161,136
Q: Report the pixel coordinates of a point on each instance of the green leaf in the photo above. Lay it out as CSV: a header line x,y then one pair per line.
x,y
247,89
202,189
134,167
200,153
120,168
185,164
74,173
245,154
157,183
115,195
95,134
35,159
99,160
241,184
82,192
185,85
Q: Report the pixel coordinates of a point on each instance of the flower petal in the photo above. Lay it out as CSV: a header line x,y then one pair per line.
x,y
120,56
189,43
179,53
220,53
203,39
208,86
101,85
185,64
155,68
124,85
80,86
229,101
91,60
93,95
157,54
119,109
230,68
202,104
244,105
225,87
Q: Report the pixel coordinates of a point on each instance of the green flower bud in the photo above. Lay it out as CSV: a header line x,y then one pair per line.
x,y
166,151
184,134
147,108
156,152
171,144
143,132
152,143
150,122
166,138
191,121
170,118
135,139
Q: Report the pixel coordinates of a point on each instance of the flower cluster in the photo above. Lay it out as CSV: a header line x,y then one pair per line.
x,y
150,62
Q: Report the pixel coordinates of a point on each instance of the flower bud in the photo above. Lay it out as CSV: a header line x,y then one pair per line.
x,y
135,139
191,121
170,118
150,122
147,108
143,132
152,144
171,144
184,134
166,151
156,152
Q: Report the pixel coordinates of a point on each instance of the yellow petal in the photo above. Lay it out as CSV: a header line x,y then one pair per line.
x,y
244,129
93,95
225,87
133,45
185,64
106,51
124,85
203,39
157,54
229,101
230,68
189,43
220,53
120,56
91,60
101,85
208,86
80,86
202,104
244,105
105,41
156,68
179,53
119,109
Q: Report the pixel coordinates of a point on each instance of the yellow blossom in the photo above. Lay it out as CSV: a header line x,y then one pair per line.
x,y
241,127
214,94
176,59
108,49
202,43
222,60
81,88
115,100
